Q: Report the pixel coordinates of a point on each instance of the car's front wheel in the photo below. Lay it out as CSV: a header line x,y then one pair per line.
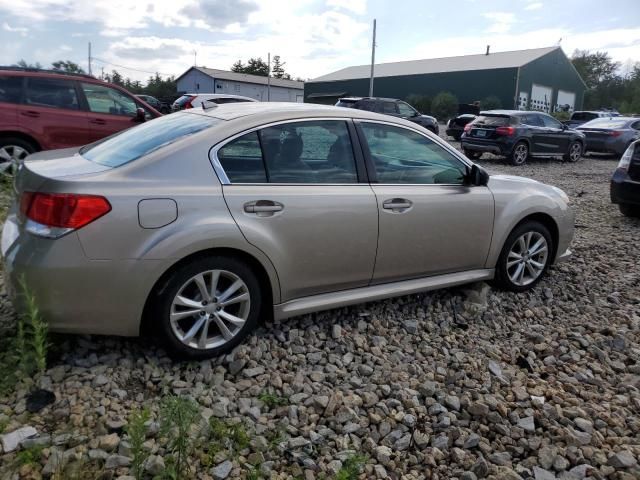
x,y
574,153
525,257
209,306
519,154
629,210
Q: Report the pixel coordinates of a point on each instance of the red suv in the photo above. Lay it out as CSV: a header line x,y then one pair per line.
x,y
43,110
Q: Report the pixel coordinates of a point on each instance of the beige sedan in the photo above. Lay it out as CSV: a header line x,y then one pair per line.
x,y
199,224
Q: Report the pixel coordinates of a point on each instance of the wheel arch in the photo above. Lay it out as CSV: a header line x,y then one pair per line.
x,y
256,266
549,222
21,135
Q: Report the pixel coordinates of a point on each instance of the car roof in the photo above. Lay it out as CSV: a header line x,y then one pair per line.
x,y
618,118
505,112
355,99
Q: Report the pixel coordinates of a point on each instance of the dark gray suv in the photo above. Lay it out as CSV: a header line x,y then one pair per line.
x,y
390,106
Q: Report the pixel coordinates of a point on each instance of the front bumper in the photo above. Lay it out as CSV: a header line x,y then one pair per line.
x,y
623,189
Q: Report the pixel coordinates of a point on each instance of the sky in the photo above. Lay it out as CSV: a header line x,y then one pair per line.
x,y
313,37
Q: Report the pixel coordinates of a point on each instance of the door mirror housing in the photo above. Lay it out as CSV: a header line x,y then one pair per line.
x,y
477,176
140,115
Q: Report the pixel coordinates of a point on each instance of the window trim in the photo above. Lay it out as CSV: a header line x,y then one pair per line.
x,y
371,167
356,147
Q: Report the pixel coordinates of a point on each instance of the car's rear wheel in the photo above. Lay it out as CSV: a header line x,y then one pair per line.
x,y
13,151
525,257
472,154
209,306
519,154
629,210
574,153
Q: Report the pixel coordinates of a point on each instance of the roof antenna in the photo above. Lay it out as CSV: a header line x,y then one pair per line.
x,y
487,50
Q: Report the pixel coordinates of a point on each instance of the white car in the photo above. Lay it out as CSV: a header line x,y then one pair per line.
x,y
192,100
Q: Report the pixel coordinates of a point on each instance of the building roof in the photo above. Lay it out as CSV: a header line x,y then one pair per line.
x,y
246,78
513,59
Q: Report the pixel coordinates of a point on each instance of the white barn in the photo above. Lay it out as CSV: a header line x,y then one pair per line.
x,y
209,80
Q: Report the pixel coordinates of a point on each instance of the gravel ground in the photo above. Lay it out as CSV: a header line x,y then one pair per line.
x,y
462,383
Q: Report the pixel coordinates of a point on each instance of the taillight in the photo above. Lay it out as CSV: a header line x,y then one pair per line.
x,y
625,160
506,131
188,103
55,214
615,133
467,128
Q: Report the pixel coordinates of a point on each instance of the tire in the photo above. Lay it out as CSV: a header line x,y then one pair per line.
x,y
207,309
519,154
14,150
574,153
509,264
457,137
472,154
629,210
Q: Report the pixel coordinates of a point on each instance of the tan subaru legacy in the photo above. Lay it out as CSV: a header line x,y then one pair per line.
x,y
198,224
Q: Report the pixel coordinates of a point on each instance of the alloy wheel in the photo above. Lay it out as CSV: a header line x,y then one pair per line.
x,y
210,309
527,258
10,158
520,154
575,152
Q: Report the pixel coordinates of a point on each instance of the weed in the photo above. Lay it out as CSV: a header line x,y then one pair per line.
x,y
137,430
271,400
351,467
239,437
30,456
38,342
4,423
253,474
177,415
275,438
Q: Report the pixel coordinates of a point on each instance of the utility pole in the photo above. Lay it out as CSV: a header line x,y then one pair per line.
x,y
195,56
89,58
269,77
373,58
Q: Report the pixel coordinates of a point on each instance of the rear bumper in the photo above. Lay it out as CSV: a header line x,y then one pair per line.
x,y
606,146
477,146
623,189
73,293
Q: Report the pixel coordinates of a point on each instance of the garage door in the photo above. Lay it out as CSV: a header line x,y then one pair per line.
x,y
566,101
541,98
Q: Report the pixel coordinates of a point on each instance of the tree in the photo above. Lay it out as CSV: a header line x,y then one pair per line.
x,y
67,66
594,68
278,67
444,106
256,66
422,103
23,64
490,103
238,67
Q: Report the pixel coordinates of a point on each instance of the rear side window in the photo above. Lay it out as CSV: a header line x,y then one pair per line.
x,y
11,89
300,152
131,144
51,92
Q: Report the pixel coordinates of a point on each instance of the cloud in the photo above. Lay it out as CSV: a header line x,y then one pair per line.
x,y
534,6
502,21
356,6
218,14
20,30
150,48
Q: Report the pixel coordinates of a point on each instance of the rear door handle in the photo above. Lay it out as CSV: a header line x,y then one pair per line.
x,y
31,113
397,205
263,208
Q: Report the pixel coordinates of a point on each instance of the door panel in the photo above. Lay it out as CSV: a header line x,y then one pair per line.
x,y
320,238
447,228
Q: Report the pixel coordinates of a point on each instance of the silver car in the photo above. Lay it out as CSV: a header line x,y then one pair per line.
x,y
199,224
610,135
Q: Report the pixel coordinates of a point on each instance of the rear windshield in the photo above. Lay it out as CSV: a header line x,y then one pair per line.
x,y
606,123
346,103
583,116
492,120
183,99
136,142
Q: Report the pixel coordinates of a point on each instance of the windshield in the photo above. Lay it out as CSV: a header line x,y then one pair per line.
x,y
346,103
606,123
136,142
584,116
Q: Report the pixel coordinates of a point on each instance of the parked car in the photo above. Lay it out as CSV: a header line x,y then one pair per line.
x,y
625,184
455,126
273,209
610,135
162,107
580,117
192,100
390,106
42,110
520,134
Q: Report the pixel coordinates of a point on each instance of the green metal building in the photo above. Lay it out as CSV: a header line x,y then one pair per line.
x,y
537,79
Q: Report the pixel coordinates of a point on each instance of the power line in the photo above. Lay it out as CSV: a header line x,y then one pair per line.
x,y
130,68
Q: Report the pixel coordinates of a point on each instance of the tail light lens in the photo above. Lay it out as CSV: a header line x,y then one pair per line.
x,y
55,214
188,103
506,131
625,161
468,127
615,133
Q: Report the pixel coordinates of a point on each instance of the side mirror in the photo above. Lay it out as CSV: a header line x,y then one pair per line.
x,y
478,176
140,115
565,126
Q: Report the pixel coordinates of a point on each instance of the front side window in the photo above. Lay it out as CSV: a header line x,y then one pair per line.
x,y
51,92
388,108
406,110
133,143
402,156
550,122
10,89
300,152
103,99
532,120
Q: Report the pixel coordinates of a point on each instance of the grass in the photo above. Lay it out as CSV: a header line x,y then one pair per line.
x,y
177,416
137,432
271,400
30,456
351,468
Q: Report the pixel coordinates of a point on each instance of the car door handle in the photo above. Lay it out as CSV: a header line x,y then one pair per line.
x,y
263,208
97,121
397,205
30,113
